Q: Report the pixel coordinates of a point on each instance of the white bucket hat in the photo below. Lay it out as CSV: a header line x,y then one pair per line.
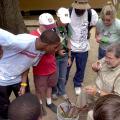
x,y
81,4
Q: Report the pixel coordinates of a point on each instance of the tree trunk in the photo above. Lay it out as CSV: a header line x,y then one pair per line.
x,y
10,16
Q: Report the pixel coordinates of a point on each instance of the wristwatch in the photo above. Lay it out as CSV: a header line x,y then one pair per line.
x,y
98,93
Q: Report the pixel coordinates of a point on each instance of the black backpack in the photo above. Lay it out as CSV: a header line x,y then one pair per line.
x,y
89,19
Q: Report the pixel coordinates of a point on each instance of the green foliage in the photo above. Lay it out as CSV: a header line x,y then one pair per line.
x,y
118,10
118,13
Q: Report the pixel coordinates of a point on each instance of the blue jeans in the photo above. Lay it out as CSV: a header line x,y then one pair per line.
x,y
101,53
81,60
61,73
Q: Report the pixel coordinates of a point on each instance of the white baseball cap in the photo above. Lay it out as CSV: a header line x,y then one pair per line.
x,y
47,20
63,14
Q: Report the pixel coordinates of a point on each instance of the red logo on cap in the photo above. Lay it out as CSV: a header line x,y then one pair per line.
x,y
50,20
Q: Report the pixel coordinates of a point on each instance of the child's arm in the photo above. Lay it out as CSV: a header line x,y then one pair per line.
x,y
69,52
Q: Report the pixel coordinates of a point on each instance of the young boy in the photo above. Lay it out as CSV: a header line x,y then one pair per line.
x,y
63,56
28,108
45,72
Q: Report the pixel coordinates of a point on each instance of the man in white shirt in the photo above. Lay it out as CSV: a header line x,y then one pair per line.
x,y
19,53
79,40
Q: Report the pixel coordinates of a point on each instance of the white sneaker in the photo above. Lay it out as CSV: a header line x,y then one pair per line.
x,y
77,90
65,97
54,97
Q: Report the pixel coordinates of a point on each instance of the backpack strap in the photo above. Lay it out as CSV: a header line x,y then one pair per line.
x,y
70,10
89,16
89,20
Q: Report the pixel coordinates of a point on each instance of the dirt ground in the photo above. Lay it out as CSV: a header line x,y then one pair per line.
x,y
89,76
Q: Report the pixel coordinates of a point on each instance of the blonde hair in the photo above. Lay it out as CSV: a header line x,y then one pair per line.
x,y
108,9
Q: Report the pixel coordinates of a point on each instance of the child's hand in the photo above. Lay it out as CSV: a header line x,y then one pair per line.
x,y
98,38
62,52
69,62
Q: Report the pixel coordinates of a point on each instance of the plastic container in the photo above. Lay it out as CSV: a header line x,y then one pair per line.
x,y
104,40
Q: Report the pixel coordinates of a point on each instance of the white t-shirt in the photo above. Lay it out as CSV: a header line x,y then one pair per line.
x,y
19,53
79,30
